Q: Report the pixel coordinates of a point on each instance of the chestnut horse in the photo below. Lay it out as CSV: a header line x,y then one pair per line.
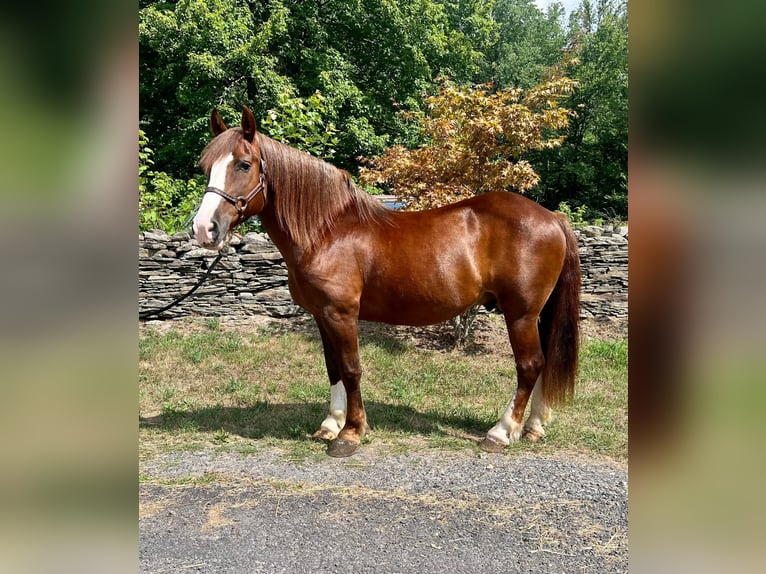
x,y
349,258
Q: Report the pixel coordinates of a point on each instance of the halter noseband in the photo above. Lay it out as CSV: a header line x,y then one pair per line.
x,y
241,202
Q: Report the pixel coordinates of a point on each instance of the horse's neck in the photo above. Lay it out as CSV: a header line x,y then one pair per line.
x,y
291,252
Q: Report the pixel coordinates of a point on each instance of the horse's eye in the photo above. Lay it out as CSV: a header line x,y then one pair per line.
x,y
244,166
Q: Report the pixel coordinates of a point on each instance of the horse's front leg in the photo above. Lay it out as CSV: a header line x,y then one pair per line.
x,y
340,329
336,418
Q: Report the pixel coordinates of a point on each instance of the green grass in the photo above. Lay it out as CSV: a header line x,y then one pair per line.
x,y
234,390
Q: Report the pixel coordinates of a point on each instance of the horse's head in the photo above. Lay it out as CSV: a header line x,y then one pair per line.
x,y
236,180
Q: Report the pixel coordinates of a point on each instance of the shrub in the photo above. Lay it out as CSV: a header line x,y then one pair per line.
x,y
164,202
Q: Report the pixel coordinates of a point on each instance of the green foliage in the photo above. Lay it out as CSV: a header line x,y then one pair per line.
x,y
144,160
330,77
165,203
197,54
360,55
299,123
168,203
576,217
529,42
591,166
579,216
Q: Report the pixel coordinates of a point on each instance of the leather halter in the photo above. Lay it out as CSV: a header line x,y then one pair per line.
x,y
241,202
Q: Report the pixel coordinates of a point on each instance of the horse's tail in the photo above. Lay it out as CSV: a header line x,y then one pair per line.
x,y
560,326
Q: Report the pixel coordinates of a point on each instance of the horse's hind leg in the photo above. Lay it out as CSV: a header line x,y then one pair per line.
x,y
528,355
336,418
540,414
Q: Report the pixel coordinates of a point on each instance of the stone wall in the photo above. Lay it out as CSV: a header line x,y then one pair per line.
x,y
604,263
251,278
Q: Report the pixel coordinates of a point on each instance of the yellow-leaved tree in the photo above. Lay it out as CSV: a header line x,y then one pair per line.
x,y
475,138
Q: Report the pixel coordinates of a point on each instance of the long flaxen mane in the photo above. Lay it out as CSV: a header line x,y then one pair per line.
x,y
308,194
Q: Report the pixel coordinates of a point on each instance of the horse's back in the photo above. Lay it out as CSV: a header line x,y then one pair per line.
x,y
521,213
497,226
512,210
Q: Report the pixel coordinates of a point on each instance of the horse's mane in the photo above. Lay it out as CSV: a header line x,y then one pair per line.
x,y
308,194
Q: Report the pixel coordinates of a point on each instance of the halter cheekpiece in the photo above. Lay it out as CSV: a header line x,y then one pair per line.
x,y
241,202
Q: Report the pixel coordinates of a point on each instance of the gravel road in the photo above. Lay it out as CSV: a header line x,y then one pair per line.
x,y
417,512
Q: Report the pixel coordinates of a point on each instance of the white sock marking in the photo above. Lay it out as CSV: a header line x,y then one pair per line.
x,y
539,413
337,416
506,430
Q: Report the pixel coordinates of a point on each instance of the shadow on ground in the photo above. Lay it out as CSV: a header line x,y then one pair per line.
x,y
296,420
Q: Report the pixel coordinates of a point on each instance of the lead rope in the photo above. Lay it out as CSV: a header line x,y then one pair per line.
x,y
145,314
260,188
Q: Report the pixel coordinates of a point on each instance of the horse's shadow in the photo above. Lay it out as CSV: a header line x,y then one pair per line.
x,y
297,420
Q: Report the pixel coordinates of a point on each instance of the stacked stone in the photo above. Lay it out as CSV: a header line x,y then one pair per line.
x,y
250,279
604,262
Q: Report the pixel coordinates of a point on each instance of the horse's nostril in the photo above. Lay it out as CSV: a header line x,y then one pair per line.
x,y
214,231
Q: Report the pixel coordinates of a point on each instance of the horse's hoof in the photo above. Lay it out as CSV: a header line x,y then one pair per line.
x,y
323,435
532,435
340,448
492,445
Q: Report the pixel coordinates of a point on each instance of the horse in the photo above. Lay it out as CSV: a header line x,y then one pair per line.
x,y
349,258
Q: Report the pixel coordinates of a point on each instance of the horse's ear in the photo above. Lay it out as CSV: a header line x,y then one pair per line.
x,y
216,123
248,124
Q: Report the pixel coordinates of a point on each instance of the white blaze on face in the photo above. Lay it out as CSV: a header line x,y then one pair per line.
x,y
203,221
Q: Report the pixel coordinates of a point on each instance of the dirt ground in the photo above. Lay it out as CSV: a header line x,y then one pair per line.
x,y
409,513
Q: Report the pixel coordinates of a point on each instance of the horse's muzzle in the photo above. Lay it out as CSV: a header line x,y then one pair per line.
x,y
208,235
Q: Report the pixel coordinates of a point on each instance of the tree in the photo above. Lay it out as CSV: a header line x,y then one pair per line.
x,y
473,25
331,77
363,58
476,140
164,202
196,54
529,42
590,168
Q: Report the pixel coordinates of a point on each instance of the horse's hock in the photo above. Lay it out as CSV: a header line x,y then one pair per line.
x,y
251,278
